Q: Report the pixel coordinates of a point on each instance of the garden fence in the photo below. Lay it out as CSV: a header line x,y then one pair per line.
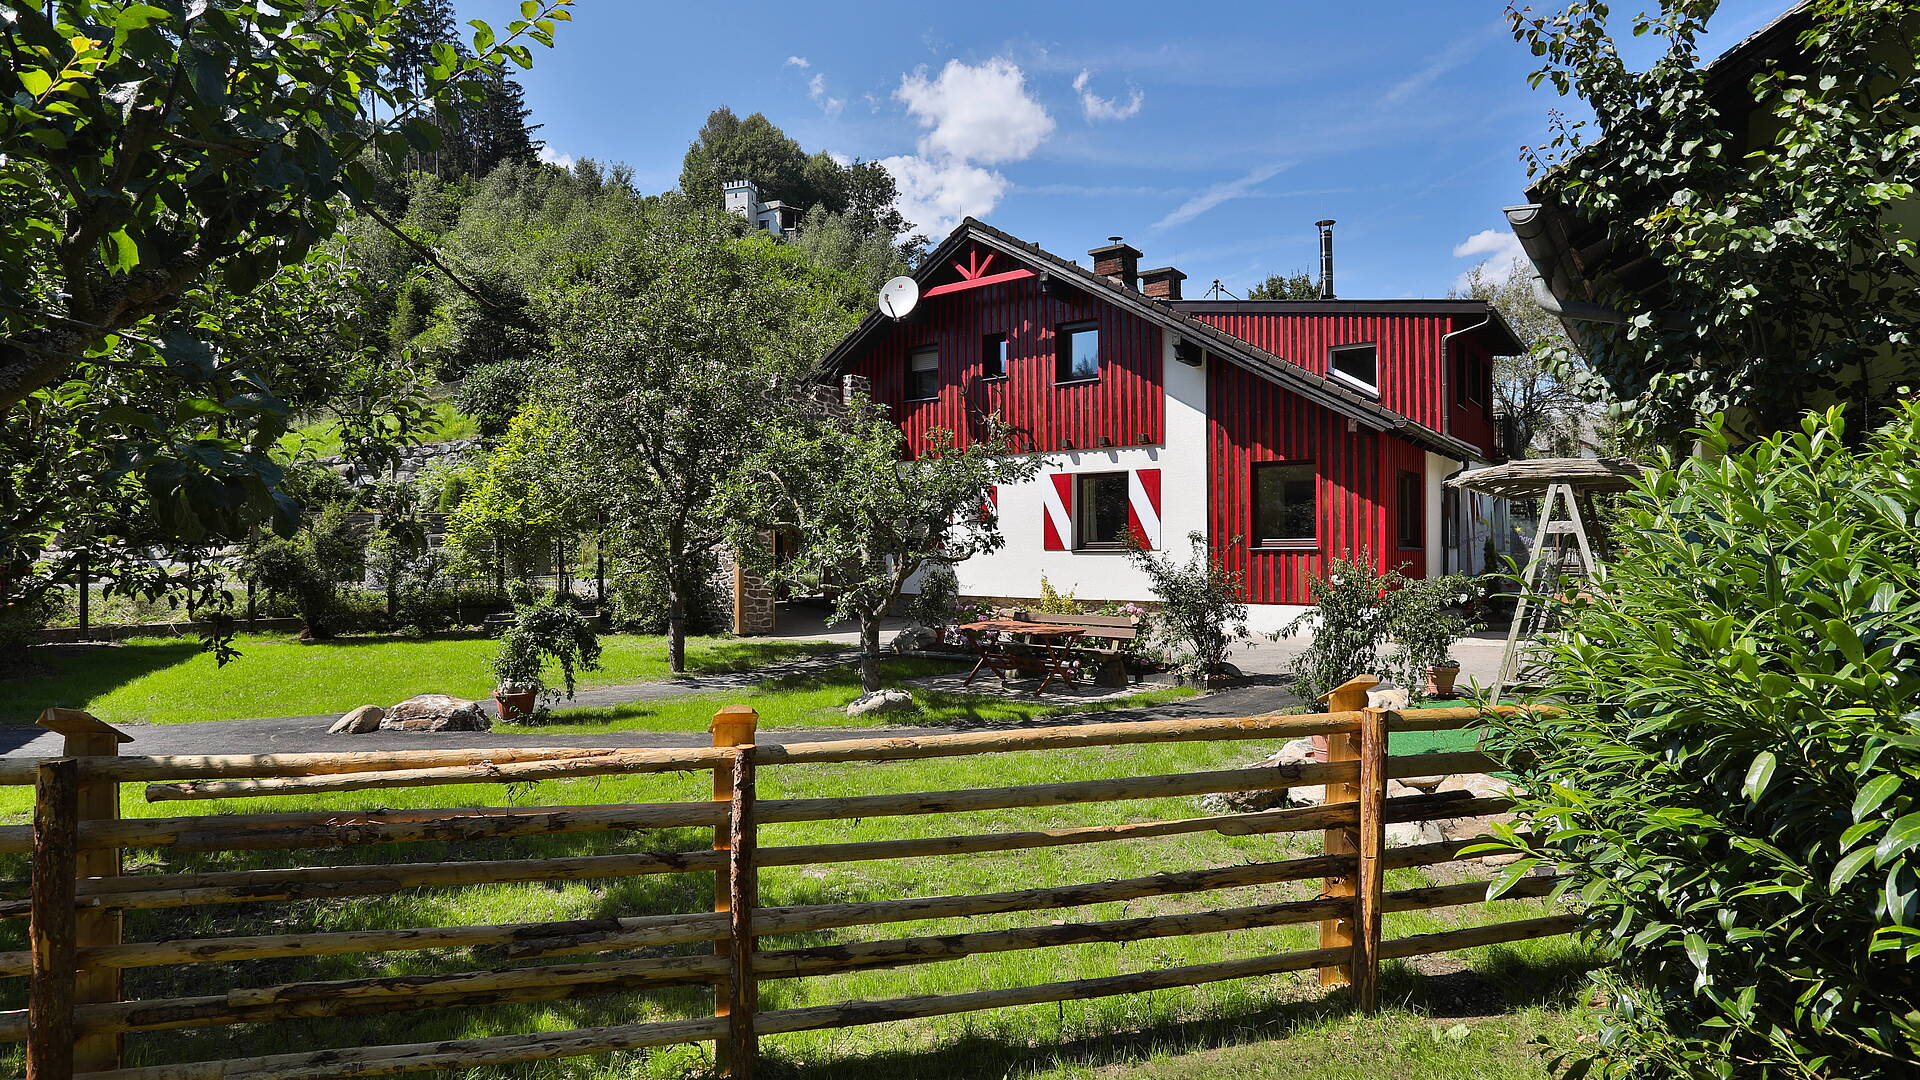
x,y
76,1017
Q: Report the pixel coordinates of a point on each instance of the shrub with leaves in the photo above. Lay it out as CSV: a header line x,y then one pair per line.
x,y
1201,614
544,637
1349,623
1735,783
1423,623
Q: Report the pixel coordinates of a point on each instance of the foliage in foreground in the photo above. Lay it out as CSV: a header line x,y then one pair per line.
x,y
1735,782
1784,238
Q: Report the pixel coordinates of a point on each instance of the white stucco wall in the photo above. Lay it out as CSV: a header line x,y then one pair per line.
x,y
1438,469
1015,570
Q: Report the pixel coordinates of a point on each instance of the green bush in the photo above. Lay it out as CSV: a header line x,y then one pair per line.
x,y
1201,614
544,637
1349,623
1735,782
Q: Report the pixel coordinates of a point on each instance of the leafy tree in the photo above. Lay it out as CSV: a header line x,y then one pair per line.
x,y
869,515
1786,239
163,162
520,504
1546,415
672,354
1733,779
1350,621
729,148
1298,285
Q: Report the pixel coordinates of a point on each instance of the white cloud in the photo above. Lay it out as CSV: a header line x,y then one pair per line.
x,y
817,90
1219,193
974,115
1500,251
551,156
1097,108
979,113
800,62
936,194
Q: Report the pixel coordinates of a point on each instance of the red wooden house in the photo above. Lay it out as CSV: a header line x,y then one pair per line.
x,y
1286,432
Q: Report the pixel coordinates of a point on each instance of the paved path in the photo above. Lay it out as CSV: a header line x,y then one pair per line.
x,y
307,734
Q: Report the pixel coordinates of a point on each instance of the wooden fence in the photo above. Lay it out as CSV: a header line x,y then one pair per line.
x,y
76,1017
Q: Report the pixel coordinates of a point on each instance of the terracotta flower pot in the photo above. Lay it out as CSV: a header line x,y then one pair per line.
x,y
1440,680
517,706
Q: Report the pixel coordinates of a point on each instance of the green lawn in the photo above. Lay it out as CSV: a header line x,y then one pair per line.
x,y
1476,1021
818,699
170,681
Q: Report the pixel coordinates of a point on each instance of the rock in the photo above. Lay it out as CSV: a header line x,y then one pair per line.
x,y
359,721
880,701
436,712
1409,833
1423,784
1482,786
1293,752
914,639
1388,699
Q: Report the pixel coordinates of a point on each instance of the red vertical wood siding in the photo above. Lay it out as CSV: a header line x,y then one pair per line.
x,y
1127,405
1408,348
1250,420
1473,420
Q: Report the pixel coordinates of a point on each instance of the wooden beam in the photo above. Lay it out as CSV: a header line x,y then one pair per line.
x,y
50,996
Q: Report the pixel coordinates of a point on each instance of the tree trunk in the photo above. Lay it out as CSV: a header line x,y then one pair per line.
x,y
869,651
676,626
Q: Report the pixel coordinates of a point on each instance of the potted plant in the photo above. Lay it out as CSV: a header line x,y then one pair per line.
x,y
1423,624
542,636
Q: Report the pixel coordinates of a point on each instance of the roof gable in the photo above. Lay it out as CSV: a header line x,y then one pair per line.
x,y
976,251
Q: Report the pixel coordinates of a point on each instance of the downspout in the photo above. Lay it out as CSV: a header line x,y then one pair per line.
x,y
1446,371
1530,227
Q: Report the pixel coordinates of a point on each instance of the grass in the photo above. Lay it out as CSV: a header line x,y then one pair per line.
x,y
170,681
815,699
321,438
1476,1019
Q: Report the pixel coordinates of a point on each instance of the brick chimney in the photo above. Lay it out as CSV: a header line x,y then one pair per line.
x,y
1162,283
1117,262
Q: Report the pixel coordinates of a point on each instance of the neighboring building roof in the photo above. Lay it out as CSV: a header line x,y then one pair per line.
x,y
1316,388
1573,254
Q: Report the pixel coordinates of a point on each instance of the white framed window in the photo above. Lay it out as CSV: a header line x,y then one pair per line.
x,y
1358,365
923,373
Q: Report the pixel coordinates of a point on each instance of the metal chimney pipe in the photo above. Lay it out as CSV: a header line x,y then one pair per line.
x,y
1325,225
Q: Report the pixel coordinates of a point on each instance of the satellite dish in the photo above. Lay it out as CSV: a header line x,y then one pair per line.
x,y
898,296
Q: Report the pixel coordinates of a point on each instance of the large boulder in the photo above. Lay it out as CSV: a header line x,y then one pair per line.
x,y
1395,698
892,699
1295,752
914,639
436,712
359,721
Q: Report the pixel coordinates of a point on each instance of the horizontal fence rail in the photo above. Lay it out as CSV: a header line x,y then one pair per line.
x,y
76,896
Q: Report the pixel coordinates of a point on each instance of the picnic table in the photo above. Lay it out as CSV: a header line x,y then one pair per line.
x,y
1007,645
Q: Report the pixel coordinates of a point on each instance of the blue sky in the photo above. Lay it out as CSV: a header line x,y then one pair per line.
x,y
1210,135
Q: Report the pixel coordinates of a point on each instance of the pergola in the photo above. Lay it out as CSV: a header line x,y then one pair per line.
x,y
1562,550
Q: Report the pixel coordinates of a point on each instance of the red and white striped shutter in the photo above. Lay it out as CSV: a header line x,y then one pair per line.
x,y
1057,523
990,509
1143,505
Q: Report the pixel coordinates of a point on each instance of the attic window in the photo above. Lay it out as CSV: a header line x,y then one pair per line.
x,y
1358,364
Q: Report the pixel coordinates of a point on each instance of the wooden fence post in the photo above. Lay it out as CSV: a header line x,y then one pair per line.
x,y
50,929
1369,871
733,726
98,800
1344,839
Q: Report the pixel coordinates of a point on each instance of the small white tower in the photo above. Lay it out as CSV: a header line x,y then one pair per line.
x,y
741,197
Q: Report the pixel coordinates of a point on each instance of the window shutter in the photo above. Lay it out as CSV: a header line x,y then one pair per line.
x,y
1057,497
1143,505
